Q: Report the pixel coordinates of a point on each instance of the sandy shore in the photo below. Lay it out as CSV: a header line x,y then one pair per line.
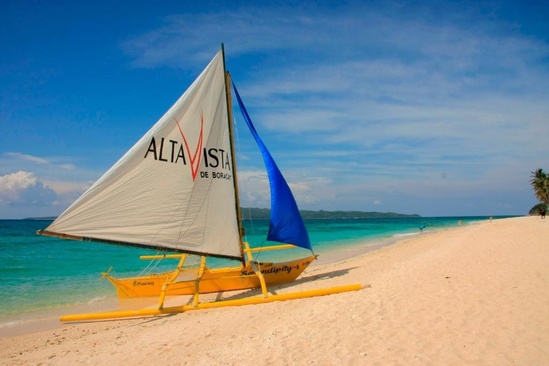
x,y
474,295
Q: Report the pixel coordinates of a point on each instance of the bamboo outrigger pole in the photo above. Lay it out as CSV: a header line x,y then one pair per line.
x,y
209,305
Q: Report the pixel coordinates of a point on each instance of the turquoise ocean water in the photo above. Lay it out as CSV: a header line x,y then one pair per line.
x,y
38,274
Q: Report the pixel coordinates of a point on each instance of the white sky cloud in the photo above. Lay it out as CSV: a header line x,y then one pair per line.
x,y
23,188
31,191
33,159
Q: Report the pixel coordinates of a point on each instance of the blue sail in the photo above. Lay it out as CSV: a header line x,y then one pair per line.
x,y
286,222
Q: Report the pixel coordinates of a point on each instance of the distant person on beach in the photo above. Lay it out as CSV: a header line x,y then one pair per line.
x,y
421,228
542,213
459,222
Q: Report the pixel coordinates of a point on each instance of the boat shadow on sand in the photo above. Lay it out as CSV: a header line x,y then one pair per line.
x,y
273,290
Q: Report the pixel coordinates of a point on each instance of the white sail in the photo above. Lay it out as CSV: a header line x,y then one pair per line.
x,y
174,188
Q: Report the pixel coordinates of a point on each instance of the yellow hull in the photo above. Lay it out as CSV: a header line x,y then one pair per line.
x,y
212,280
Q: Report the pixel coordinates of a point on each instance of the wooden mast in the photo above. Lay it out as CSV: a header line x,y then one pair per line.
x,y
233,155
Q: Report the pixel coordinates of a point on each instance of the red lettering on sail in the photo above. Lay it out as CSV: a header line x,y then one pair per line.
x,y
196,157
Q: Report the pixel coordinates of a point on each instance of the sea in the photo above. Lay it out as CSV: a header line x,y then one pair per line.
x,y
42,275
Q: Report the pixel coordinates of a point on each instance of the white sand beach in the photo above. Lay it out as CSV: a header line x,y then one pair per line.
x,y
473,295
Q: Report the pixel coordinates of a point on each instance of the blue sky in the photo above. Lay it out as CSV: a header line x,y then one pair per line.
x,y
435,108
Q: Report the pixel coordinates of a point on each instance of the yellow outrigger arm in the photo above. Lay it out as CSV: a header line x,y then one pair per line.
x,y
196,305
209,305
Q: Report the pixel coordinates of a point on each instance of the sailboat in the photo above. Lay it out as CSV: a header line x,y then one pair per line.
x,y
176,190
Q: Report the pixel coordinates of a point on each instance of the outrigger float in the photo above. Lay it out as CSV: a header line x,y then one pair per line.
x,y
176,190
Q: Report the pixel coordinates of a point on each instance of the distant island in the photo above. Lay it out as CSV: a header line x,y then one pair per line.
x,y
263,214
45,218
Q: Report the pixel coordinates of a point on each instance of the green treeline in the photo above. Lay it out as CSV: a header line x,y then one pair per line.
x,y
263,213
